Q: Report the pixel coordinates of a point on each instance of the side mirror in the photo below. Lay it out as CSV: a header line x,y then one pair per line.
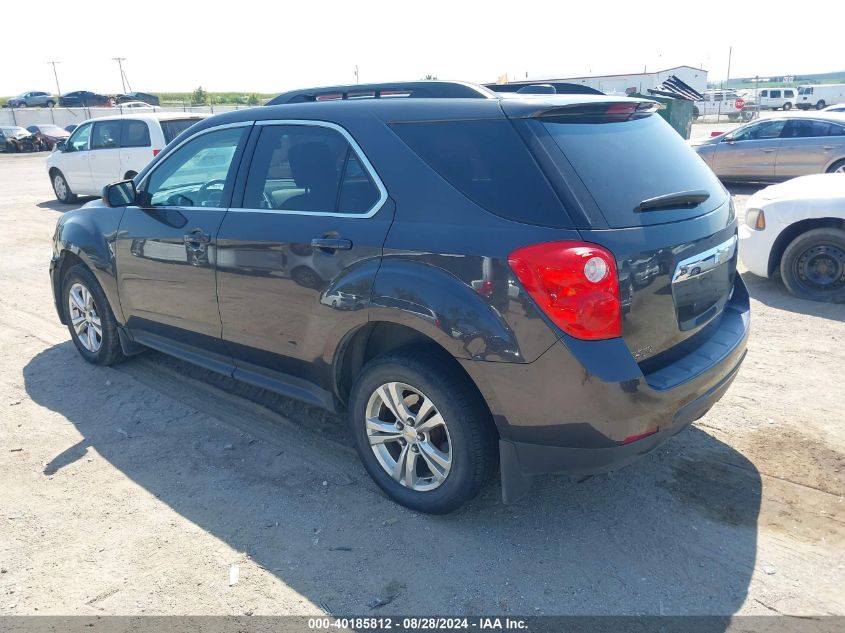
x,y
729,138
60,145
120,194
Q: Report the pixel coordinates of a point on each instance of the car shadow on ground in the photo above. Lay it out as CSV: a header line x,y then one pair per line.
x,y
773,293
673,534
744,188
55,205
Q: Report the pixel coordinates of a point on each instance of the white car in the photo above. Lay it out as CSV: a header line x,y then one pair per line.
x,y
798,228
136,106
107,149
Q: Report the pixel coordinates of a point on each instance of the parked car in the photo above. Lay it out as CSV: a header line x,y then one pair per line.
x,y
726,102
403,203
84,98
135,105
106,149
775,98
840,107
770,150
797,229
31,99
48,134
139,96
820,95
17,139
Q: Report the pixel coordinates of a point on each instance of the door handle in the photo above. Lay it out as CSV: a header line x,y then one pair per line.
x,y
828,147
197,237
331,244
768,151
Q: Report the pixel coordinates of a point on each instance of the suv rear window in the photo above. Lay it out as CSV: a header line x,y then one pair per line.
x,y
174,127
489,163
624,163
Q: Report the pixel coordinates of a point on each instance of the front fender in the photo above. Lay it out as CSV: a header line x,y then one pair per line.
x,y
88,234
444,308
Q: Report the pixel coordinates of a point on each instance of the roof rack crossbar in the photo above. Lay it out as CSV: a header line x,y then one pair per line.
x,y
424,89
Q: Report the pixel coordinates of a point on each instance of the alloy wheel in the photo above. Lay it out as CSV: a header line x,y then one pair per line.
x,y
60,187
409,436
85,318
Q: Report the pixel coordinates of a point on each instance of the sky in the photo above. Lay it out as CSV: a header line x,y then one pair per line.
x,y
267,46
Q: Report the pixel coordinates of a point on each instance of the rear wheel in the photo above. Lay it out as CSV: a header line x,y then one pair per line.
x,y
62,189
422,430
51,103
89,317
837,168
820,104
787,106
813,265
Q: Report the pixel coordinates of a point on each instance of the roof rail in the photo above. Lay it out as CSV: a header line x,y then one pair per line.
x,y
424,89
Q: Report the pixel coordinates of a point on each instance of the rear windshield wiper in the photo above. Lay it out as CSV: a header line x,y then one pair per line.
x,y
673,200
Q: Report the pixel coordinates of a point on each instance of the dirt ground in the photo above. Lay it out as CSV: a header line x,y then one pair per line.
x,y
137,489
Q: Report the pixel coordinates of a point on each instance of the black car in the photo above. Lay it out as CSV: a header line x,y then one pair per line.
x,y
84,98
441,262
139,96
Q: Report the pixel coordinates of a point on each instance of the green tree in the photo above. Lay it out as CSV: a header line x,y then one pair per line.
x,y
431,76
253,99
199,96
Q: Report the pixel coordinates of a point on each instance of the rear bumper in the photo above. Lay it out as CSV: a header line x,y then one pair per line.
x,y
576,409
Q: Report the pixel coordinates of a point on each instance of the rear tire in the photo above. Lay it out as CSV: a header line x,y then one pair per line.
x,y
837,168
454,452
787,106
61,188
51,104
820,104
813,265
89,317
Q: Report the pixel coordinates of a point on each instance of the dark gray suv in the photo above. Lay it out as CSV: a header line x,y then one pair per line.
x,y
530,283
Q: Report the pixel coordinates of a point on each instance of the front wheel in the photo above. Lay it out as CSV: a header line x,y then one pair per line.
x,y
837,168
813,265
62,189
89,318
422,430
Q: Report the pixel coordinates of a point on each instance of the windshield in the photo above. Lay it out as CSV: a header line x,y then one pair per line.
x,y
624,163
16,132
805,91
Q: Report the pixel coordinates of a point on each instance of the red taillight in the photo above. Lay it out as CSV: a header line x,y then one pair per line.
x,y
156,151
575,285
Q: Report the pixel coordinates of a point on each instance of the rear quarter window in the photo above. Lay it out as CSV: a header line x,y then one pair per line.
x,y
489,163
174,127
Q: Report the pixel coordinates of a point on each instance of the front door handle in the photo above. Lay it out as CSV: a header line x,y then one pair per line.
x,y
828,147
331,244
197,237
768,151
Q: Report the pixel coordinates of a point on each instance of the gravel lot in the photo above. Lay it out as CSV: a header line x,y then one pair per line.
x,y
136,489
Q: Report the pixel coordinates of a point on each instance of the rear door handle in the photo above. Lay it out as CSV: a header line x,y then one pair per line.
x,y
331,243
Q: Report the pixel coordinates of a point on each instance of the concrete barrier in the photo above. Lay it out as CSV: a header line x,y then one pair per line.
x,y
74,116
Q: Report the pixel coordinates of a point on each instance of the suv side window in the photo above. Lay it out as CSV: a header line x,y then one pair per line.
x,y
78,141
197,174
106,135
134,134
308,168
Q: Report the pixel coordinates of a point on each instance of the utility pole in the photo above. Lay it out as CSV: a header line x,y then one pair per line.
x,y
357,79
120,61
56,75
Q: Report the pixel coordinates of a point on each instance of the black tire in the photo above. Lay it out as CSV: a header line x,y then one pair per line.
x,y
62,191
820,104
51,103
471,434
838,165
787,106
109,350
813,265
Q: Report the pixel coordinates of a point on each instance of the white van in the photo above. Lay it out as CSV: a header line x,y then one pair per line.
x,y
107,149
819,96
776,98
719,102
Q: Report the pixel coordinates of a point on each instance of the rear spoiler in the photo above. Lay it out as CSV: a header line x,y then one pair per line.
x,y
602,110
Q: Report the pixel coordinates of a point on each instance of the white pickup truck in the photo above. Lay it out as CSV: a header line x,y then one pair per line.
x,y
726,102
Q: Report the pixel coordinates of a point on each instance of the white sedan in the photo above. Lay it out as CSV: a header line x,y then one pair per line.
x,y
798,228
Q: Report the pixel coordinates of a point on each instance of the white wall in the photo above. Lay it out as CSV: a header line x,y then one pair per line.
x,y
74,116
